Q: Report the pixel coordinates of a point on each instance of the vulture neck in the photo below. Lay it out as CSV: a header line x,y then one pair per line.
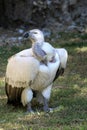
x,y
40,41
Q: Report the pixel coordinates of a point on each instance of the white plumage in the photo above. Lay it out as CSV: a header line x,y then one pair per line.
x,y
63,55
25,75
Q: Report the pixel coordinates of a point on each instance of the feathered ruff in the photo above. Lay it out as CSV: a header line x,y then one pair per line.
x,y
49,50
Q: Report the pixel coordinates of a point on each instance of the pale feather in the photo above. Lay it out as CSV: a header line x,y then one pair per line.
x,y
21,71
63,55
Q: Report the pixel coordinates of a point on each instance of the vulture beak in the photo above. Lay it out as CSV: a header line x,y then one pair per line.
x,y
26,35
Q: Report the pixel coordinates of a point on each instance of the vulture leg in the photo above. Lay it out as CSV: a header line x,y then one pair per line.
x,y
46,107
46,96
29,109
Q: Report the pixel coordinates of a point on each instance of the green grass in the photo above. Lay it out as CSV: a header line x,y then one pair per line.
x,y
69,93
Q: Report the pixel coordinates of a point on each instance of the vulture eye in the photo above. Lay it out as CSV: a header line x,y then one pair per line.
x,y
35,32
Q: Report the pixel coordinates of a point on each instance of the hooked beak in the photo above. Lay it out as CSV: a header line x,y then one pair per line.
x,y
26,35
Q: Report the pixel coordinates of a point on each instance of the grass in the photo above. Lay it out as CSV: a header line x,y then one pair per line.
x,y
69,93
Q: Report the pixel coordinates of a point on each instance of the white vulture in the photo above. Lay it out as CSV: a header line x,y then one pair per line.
x,y
27,75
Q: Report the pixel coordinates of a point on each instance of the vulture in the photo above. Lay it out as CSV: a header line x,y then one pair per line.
x,y
31,72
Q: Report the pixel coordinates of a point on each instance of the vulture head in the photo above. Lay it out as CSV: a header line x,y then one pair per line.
x,y
35,35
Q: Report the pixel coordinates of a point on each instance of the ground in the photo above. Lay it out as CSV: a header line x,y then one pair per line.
x,y
69,93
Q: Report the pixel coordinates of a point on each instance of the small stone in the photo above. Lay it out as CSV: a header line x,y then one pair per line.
x,y
21,31
46,32
20,38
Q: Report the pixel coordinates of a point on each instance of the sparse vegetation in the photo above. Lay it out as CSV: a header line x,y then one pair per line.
x,y
69,94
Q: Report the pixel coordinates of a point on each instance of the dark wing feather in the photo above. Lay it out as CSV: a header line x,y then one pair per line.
x,y
13,94
59,72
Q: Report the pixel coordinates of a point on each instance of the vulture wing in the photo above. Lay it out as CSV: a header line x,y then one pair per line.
x,y
20,73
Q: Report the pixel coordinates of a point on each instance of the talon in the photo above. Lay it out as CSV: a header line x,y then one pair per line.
x,y
31,112
47,109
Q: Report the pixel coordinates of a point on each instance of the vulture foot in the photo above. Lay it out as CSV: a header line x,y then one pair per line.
x,y
29,109
46,107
